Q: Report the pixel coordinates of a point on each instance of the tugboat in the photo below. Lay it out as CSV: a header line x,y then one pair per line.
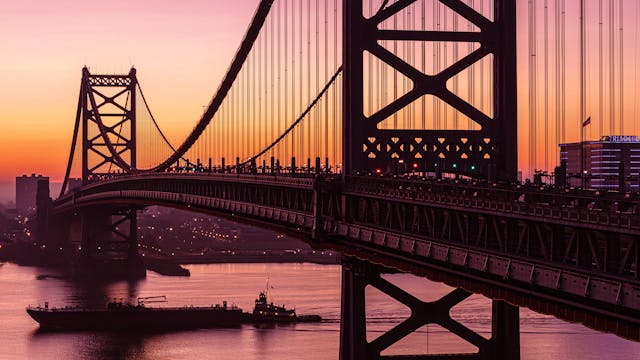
x,y
266,312
270,312
122,316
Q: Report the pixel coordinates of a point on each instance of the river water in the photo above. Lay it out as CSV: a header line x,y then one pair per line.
x,y
312,289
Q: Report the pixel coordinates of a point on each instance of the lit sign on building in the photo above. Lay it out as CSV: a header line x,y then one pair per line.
x,y
621,138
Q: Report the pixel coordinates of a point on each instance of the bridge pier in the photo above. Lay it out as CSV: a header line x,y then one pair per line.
x,y
106,240
504,343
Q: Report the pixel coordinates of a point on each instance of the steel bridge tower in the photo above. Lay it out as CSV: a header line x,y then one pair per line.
x,y
106,236
489,152
108,105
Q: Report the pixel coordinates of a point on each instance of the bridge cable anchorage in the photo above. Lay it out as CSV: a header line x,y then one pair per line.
x,y
298,120
231,75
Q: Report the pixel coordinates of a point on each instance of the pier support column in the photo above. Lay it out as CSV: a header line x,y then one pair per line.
x,y
107,243
505,329
358,274
353,327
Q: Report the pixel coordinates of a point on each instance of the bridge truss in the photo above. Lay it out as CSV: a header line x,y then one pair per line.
x,y
246,156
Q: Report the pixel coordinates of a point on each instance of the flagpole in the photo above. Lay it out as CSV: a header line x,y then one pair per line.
x,y
582,94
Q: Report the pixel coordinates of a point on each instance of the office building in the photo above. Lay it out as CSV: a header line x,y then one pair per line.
x,y
26,189
611,163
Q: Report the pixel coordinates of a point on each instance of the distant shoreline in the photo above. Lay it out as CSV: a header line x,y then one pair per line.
x,y
28,255
173,266
231,259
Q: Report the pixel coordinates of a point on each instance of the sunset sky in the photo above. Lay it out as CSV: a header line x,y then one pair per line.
x,y
181,50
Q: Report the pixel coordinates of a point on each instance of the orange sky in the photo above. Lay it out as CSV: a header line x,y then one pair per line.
x,y
181,50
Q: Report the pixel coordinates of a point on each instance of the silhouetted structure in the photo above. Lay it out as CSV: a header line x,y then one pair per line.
x,y
26,189
568,252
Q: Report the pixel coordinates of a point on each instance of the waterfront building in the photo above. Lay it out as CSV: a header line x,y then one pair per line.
x,y
611,163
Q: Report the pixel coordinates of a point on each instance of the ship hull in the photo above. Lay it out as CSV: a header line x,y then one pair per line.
x,y
272,318
137,318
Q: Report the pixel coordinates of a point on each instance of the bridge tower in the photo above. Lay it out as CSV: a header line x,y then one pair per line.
x,y
105,236
488,152
108,106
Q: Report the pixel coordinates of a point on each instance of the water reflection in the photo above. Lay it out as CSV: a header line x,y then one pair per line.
x,y
100,345
95,294
120,344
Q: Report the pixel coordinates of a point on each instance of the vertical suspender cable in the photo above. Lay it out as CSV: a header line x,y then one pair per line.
x,y
563,41
455,79
240,151
369,79
380,81
279,116
546,84
582,92
395,75
436,47
532,85
482,73
272,72
309,76
612,111
300,83
285,100
635,77
317,136
600,71
336,159
259,92
471,73
252,102
424,58
410,120
293,74
445,55
621,67
325,151
406,48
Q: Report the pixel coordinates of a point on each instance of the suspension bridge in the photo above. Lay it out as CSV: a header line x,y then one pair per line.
x,y
387,130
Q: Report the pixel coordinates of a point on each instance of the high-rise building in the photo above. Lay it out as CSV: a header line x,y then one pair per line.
x,y
26,189
611,163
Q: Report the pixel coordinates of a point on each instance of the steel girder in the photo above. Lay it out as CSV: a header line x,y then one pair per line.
x,y
571,246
